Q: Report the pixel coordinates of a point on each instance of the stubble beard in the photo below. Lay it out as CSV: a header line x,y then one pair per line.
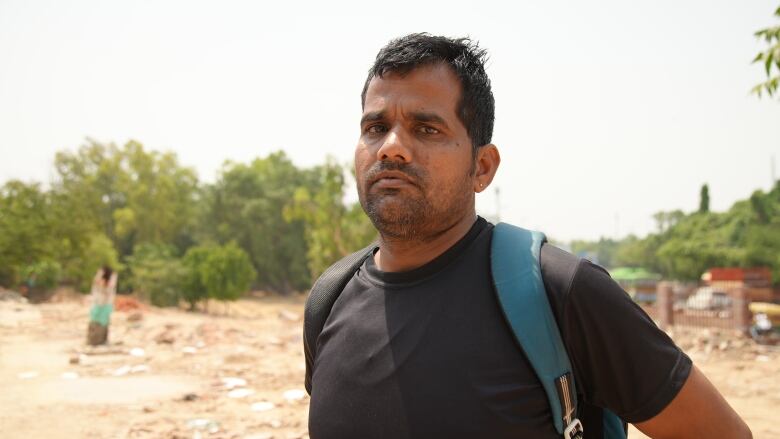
x,y
402,216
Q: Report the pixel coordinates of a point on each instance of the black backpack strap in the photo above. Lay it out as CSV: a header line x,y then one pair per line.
x,y
322,296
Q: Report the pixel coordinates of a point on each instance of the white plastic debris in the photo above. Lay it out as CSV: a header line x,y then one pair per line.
x,y
263,406
28,375
233,382
240,393
124,370
189,350
139,368
70,376
137,352
294,395
202,424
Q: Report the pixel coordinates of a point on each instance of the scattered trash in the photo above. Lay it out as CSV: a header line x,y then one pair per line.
x,y
70,376
203,424
28,375
137,352
189,397
74,359
263,406
139,368
260,436
189,350
124,370
233,382
762,358
294,395
240,393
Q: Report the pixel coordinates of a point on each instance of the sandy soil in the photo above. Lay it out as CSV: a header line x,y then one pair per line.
x,y
234,373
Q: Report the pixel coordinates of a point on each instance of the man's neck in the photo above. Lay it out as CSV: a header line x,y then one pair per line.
x,y
404,255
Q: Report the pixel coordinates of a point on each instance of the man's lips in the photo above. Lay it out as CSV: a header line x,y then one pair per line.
x,y
391,180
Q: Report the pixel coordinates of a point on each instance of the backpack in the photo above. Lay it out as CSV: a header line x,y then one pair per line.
x,y
517,276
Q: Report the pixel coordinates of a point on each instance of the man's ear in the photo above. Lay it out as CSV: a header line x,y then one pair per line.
x,y
485,166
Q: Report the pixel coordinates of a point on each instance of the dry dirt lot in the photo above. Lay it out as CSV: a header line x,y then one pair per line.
x,y
235,372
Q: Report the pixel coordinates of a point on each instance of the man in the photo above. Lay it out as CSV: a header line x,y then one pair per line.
x,y
416,346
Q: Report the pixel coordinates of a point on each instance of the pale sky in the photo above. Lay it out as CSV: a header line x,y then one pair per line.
x,y
606,111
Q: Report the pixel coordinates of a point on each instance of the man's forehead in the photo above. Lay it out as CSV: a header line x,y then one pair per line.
x,y
434,84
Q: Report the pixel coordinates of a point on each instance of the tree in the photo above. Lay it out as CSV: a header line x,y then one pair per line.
x,y
245,205
228,272
157,274
770,59
129,194
333,230
26,232
704,199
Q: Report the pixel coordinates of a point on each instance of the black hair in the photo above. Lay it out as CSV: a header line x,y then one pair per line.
x,y
107,273
476,108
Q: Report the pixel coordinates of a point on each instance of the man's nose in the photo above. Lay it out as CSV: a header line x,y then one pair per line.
x,y
396,147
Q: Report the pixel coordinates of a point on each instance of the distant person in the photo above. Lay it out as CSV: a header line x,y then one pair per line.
x,y
102,295
415,343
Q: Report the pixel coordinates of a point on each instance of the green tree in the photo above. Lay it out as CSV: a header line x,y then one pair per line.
x,y
196,263
26,229
245,205
157,274
704,199
131,195
333,230
227,272
770,58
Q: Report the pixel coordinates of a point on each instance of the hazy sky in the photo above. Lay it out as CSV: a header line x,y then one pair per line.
x,y
606,111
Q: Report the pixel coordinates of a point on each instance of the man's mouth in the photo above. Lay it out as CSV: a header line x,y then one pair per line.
x,y
391,180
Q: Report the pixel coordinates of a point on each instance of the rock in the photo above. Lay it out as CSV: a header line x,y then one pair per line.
x,y
240,393
189,397
135,316
165,337
263,406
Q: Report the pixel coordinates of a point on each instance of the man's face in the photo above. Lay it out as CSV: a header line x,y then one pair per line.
x,y
413,161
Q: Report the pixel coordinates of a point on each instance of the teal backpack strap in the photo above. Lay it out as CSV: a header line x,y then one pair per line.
x,y
517,274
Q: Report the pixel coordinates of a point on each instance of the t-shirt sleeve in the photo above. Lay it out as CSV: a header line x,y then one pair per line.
x,y
622,360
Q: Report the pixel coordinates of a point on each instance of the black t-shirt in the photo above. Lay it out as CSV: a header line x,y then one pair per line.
x,y
427,353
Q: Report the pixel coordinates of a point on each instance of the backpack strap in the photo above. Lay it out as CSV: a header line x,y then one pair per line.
x,y
517,275
321,298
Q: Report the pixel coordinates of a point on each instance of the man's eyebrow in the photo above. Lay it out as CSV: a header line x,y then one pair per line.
x,y
422,116
372,116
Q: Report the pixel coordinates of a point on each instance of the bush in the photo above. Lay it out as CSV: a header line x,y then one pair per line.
x,y
218,272
157,274
195,262
44,275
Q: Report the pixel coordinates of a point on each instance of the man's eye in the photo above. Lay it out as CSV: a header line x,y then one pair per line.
x,y
428,130
376,129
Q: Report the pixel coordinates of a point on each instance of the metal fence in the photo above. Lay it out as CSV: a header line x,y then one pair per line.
x,y
725,306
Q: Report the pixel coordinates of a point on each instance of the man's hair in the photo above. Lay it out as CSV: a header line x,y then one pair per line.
x,y
476,108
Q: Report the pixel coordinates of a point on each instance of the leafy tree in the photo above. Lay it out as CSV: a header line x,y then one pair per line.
x,y
26,232
195,261
704,199
129,194
770,59
333,230
245,205
157,274
227,272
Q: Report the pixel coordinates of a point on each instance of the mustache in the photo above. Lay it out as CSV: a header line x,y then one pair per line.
x,y
414,174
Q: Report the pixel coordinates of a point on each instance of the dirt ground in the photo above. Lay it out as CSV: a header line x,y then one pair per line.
x,y
235,372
